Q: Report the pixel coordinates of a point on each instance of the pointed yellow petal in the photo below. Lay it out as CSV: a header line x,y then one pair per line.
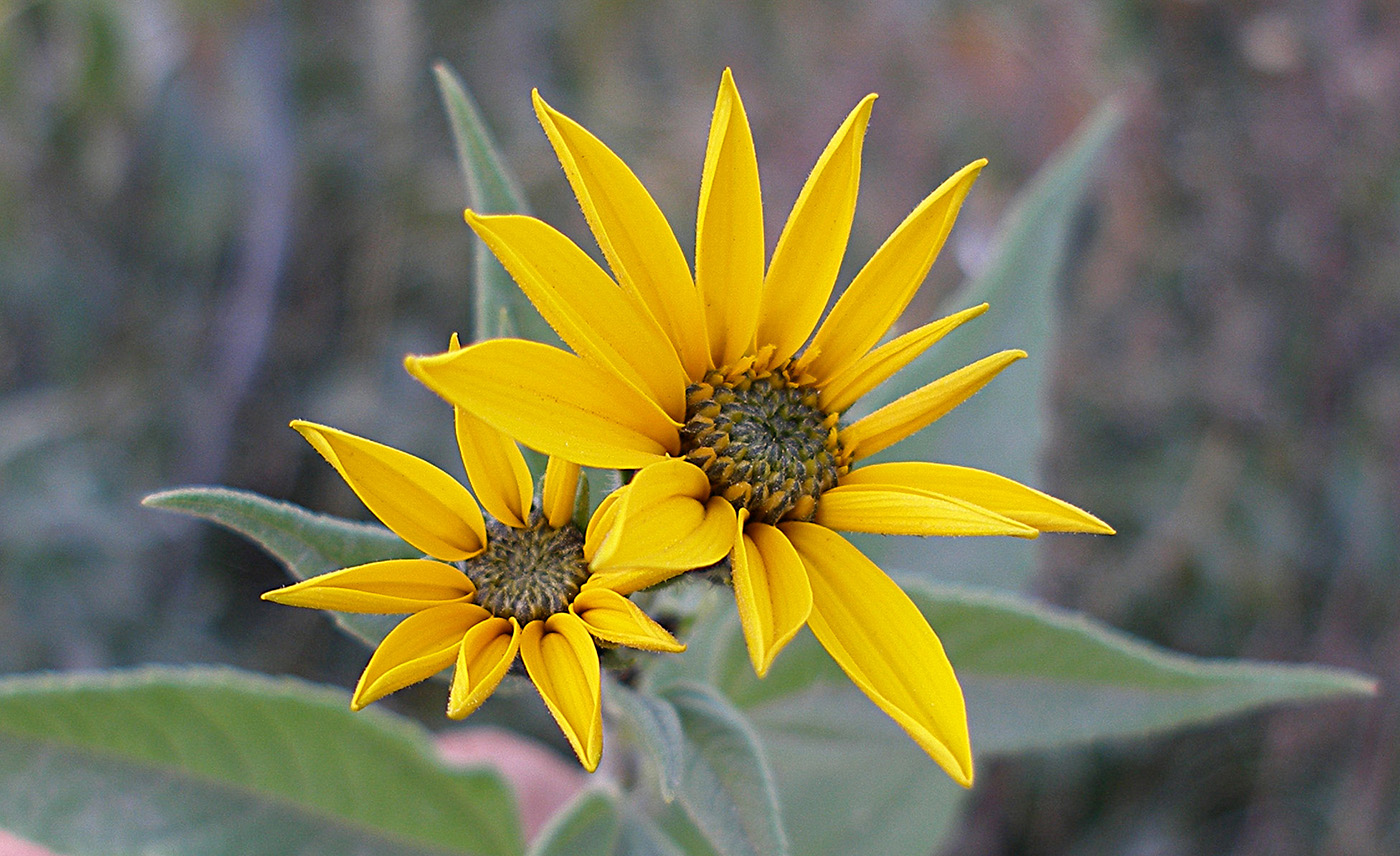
x,y
601,523
552,401
422,504
496,469
666,523
979,487
771,590
422,645
560,657
729,230
560,491
882,289
889,510
483,658
883,643
808,255
633,234
613,618
384,588
914,411
600,321
873,369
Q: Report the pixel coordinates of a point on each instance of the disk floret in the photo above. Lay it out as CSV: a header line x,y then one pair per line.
x,y
764,442
530,573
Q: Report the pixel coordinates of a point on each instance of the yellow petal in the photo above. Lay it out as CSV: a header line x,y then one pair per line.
x,y
873,369
422,645
601,523
487,650
882,289
384,588
561,659
771,590
808,255
887,510
496,469
666,523
914,411
988,490
729,230
552,401
560,491
633,234
883,643
600,321
422,504
613,618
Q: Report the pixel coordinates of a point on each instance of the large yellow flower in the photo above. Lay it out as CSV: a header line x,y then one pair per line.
x,y
524,582
698,382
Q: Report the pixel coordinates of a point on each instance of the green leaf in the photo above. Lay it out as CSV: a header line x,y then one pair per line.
x,y
500,308
852,781
213,761
307,543
726,788
640,836
849,779
651,724
594,824
588,826
1036,676
1001,428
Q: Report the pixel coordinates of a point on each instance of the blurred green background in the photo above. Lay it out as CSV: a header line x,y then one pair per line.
x,y
219,216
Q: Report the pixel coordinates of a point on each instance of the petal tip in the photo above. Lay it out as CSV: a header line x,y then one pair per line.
x,y
543,111
962,776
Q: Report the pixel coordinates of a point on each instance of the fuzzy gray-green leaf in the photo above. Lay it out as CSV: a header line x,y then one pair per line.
x,y
307,543
1038,677
205,761
652,725
726,788
499,308
1001,428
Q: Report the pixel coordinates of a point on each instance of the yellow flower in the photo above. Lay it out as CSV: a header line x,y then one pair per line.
x,y
739,439
524,582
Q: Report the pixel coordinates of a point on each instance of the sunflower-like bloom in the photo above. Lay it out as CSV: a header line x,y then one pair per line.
x,y
524,582
698,383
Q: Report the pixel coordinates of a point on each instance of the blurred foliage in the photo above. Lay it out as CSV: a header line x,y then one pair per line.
x,y
216,217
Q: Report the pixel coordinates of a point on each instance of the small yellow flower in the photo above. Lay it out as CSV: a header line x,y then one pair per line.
x,y
524,582
697,381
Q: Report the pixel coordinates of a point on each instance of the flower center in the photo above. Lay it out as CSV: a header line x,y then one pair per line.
x,y
528,573
764,442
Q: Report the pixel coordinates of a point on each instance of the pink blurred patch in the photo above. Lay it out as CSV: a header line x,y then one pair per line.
x,y
543,782
12,846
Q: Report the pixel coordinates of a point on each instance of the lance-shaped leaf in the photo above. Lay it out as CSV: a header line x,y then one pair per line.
x,y
652,725
597,824
1034,677
214,761
726,787
307,543
499,308
1002,427
1037,677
